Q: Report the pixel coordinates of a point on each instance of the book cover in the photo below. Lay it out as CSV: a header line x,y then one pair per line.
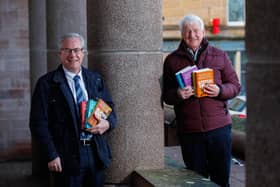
x,y
83,108
91,104
184,76
102,110
200,78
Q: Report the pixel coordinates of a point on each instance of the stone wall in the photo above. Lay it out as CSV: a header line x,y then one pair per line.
x,y
14,79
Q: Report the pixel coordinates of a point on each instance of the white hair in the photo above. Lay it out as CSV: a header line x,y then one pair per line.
x,y
73,35
191,18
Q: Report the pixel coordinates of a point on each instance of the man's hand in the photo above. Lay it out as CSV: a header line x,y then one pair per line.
x,y
212,90
185,93
55,165
100,128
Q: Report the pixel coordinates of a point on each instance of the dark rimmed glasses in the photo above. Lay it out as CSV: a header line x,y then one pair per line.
x,y
69,51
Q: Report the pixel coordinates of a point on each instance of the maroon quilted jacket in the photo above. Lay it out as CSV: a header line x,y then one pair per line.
x,y
200,114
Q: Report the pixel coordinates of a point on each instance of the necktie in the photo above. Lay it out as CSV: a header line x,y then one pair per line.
x,y
79,92
80,97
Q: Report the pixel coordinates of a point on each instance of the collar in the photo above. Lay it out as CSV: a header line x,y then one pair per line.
x,y
70,74
194,54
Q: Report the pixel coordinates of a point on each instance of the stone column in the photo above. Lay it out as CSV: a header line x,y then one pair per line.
x,y
64,16
125,38
263,93
37,38
38,63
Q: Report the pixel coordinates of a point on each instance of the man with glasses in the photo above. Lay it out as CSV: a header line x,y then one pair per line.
x,y
74,156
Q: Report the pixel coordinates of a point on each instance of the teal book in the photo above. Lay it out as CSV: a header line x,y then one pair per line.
x,y
89,111
180,80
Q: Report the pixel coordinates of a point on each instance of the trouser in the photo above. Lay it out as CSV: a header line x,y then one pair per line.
x,y
209,153
91,171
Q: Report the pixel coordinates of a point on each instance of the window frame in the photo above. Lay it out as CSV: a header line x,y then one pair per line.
x,y
235,23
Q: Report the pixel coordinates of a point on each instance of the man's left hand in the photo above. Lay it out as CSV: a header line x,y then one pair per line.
x,y
100,128
212,90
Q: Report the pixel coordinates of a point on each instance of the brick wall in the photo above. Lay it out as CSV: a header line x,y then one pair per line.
x,y
174,10
14,79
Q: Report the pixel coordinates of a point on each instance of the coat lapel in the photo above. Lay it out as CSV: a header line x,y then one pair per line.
x,y
59,77
86,81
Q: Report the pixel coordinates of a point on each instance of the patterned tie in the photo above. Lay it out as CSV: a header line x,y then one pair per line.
x,y
79,92
80,97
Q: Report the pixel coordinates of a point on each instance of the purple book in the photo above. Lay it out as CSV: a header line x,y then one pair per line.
x,y
186,74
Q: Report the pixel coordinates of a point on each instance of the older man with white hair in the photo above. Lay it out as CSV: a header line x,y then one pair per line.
x,y
204,123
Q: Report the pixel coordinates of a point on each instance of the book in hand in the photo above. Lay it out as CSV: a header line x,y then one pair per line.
x,y
184,76
102,109
200,78
83,108
91,104
95,110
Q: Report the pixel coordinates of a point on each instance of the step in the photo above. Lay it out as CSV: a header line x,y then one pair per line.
x,y
173,175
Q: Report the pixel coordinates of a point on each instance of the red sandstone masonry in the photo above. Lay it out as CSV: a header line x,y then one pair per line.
x,y
14,79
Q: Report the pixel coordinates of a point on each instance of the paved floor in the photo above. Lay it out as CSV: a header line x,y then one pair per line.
x,y
237,178
18,173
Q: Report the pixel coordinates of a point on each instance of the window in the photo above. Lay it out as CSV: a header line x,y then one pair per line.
x,y
236,12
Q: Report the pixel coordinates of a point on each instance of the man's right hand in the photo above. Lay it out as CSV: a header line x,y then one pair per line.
x,y
55,165
185,93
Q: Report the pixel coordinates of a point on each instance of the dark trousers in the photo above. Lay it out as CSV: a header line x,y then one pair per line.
x,y
209,153
91,171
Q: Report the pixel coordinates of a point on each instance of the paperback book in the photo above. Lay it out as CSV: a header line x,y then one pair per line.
x,y
92,110
184,76
200,78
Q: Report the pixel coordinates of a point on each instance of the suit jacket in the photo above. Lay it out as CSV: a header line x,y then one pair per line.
x,y
54,118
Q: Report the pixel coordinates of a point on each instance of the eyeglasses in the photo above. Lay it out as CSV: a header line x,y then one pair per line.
x,y
69,51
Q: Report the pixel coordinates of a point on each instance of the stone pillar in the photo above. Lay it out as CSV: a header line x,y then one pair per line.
x,y
64,16
38,40
125,39
263,96
38,64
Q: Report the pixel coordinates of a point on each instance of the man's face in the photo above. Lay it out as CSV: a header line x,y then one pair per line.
x,y
193,35
71,54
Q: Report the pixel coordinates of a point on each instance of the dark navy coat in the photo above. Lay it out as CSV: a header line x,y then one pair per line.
x,y
54,118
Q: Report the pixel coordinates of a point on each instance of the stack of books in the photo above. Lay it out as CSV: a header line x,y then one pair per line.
x,y
184,76
197,78
91,111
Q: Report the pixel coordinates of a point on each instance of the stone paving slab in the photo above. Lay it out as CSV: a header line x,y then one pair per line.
x,y
18,174
237,177
173,177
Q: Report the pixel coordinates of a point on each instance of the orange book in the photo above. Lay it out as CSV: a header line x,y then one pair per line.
x,y
102,110
92,121
200,78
